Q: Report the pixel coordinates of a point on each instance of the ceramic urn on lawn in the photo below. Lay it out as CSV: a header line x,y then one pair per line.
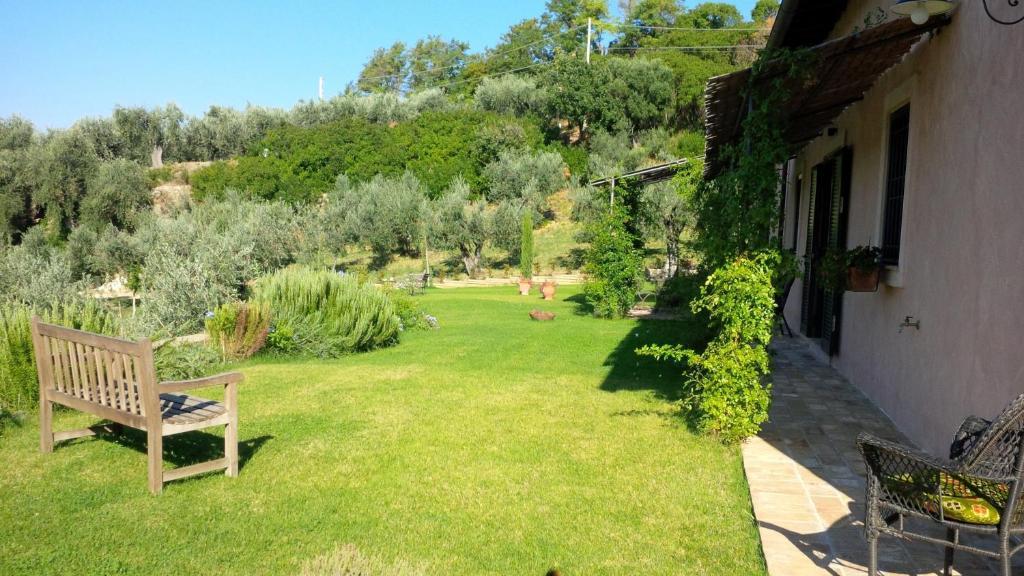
x,y
524,286
548,290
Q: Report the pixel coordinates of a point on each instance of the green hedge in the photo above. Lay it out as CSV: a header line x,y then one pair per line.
x,y
297,163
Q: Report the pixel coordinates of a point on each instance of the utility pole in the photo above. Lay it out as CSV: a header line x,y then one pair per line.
x,y
589,31
320,91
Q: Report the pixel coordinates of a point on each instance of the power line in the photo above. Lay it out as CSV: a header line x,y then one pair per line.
x,y
692,29
492,75
686,48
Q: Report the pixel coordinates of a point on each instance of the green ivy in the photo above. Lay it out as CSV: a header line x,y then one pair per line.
x,y
737,211
725,385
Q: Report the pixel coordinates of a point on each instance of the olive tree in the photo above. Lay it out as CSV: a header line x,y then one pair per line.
x,y
524,176
460,222
510,94
386,214
114,193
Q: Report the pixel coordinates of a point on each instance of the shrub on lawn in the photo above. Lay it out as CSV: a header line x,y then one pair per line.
x,y
36,273
328,314
613,266
239,329
184,362
19,388
725,386
347,560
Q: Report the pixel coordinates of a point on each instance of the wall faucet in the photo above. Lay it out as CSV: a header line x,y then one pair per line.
x,y
909,322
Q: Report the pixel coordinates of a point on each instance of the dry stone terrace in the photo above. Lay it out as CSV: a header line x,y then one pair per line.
x,y
806,478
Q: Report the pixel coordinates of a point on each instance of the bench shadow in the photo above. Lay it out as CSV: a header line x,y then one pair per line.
x,y
182,449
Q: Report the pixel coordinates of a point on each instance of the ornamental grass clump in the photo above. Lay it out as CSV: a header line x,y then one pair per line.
x,y
726,392
239,329
328,314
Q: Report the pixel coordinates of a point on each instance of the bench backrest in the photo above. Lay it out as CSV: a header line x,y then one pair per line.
x,y
111,373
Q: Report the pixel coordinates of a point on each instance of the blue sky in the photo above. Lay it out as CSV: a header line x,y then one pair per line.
x,y
62,60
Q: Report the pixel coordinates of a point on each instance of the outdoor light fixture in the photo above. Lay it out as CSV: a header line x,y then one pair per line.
x,y
920,10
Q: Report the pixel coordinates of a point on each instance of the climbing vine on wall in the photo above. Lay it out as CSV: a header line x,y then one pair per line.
x,y
736,211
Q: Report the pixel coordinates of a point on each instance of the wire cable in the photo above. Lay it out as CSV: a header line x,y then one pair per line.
x,y
499,53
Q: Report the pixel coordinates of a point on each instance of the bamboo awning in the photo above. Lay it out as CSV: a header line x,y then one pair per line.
x,y
842,71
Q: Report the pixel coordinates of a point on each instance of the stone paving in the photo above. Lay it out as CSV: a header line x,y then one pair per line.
x,y
806,478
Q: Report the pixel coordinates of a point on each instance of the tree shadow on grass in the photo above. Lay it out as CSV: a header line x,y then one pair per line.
x,y
583,307
180,449
630,371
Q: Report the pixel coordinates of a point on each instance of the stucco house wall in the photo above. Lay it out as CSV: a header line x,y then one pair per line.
x,y
961,267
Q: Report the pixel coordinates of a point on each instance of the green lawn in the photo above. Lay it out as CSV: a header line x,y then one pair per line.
x,y
495,445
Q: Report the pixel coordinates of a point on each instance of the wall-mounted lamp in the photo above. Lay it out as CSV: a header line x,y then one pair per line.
x,y
920,10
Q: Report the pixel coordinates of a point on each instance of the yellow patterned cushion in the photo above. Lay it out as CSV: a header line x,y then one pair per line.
x,y
960,500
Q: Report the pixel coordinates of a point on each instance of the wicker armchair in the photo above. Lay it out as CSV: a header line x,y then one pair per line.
x,y
978,489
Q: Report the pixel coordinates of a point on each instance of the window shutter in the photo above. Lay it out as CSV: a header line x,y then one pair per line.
x,y
895,184
833,304
805,309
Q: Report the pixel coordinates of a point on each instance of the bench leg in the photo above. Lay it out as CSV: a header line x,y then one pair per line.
x,y
155,457
45,426
231,430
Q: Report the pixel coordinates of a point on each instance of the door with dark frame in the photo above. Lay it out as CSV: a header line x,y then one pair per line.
x,y
829,200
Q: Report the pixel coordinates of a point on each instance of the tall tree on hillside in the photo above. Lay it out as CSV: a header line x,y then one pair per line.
x,y
643,89
434,61
16,137
62,166
115,192
579,94
386,71
525,44
146,135
648,13
764,10
714,15
565,21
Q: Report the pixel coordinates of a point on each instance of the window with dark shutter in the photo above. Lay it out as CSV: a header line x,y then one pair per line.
x,y
895,183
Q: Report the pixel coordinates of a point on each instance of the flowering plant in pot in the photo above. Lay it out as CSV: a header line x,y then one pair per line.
x,y
863,265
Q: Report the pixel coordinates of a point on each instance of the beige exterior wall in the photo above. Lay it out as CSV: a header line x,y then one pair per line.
x,y
962,259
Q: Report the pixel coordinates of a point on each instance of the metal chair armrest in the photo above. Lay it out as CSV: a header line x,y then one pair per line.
x,y
967,435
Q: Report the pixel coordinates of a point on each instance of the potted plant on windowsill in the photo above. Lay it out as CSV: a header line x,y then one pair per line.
x,y
855,270
864,264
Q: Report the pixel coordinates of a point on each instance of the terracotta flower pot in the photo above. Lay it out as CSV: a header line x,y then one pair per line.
x,y
548,290
524,286
858,280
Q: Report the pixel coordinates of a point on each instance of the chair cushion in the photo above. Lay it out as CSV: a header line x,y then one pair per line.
x,y
961,499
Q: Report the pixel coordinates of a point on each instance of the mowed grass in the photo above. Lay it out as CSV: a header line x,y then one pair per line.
x,y
494,445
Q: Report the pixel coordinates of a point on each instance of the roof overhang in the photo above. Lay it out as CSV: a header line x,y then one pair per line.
x,y
645,176
805,22
843,70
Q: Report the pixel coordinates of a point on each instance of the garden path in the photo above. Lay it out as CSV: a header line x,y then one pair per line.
x,y
806,477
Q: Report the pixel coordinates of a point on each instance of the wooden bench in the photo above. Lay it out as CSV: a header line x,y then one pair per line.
x,y
115,380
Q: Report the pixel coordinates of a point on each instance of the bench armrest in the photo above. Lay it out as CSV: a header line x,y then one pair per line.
x,y
219,379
